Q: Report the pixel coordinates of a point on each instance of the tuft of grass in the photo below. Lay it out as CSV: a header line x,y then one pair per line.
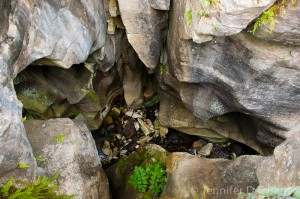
x,y
42,188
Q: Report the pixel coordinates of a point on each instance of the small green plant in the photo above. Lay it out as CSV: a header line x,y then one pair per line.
x,y
162,68
149,180
22,165
42,188
268,17
188,15
60,138
206,3
201,13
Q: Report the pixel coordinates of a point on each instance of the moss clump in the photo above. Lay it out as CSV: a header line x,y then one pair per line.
x,y
188,15
268,17
42,188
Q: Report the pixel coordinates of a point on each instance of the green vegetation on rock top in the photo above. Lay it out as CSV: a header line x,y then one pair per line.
x,y
149,179
42,188
268,17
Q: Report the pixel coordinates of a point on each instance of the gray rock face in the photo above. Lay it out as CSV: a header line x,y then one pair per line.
x,y
218,18
281,169
145,27
193,177
68,148
286,29
62,32
14,146
235,74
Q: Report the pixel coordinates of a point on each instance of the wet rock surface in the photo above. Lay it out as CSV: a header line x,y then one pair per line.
x,y
67,148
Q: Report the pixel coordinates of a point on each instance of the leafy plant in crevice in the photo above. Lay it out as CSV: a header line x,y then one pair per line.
x,y
42,188
149,180
268,17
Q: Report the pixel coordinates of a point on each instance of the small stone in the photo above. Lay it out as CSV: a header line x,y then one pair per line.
x,y
144,140
137,146
119,136
115,112
133,114
197,145
129,128
206,149
145,128
108,119
137,126
106,151
123,152
163,131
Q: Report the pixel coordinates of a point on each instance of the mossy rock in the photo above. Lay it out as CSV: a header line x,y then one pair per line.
x,y
119,173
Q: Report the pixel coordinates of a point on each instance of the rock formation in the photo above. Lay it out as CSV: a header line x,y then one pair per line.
x,y
214,77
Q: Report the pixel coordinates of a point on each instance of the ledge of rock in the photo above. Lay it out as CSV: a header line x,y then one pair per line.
x,y
194,177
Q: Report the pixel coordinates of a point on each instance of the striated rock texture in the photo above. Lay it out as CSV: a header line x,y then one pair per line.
x,y
194,177
68,148
238,73
287,26
145,22
59,32
205,19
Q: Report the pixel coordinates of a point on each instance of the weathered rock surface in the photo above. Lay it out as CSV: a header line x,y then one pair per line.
x,y
216,18
282,169
193,177
14,145
68,148
287,26
63,34
145,24
235,74
51,92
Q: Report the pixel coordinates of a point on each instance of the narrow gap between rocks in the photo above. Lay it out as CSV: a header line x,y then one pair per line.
x,y
125,130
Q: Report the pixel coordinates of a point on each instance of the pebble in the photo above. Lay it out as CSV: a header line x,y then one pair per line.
x,y
144,127
123,152
133,114
106,151
197,145
206,149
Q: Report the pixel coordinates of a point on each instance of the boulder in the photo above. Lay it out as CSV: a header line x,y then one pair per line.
x,y
239,73
202,20
282,169
145,22
286,29
194,177
67,148
58,31
14,146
